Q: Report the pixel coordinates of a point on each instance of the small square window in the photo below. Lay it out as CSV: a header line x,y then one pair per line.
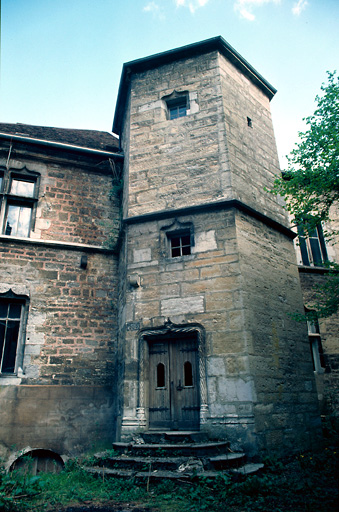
x,y
180,245
178,109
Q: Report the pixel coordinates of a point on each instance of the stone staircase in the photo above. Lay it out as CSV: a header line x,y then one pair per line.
x,y
171,455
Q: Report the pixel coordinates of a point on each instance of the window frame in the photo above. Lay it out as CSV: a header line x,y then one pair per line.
x,y
177,102
184,233
317,352
312,247
10,298
9,199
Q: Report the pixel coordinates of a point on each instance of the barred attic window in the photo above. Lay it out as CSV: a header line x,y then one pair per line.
x,y
180,245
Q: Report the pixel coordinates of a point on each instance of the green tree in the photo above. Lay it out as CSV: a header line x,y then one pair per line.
x,y
310,185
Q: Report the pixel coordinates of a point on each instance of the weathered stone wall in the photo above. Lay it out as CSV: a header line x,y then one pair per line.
x,y
214,153
169,160
74,201
251,150
63,396
204,288
71,326
286,409
65,419
328,382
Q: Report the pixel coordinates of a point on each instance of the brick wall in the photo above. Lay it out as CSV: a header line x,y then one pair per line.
x,y
62,398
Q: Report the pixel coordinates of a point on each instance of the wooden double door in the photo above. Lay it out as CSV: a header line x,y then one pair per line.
x,y
174,399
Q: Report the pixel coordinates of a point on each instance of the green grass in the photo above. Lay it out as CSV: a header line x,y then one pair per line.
x,y
306,483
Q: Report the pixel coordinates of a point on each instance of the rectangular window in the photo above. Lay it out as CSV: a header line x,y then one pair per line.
x,y
179,110
316,346
312,247
180,245
10,316
18,199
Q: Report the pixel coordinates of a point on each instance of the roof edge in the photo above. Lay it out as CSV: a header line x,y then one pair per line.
x,y
60,145
213,44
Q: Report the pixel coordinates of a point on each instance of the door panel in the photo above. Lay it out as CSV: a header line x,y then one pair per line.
x,y
174,385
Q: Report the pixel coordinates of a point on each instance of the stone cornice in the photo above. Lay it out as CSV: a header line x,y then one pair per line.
x,y
217,205
55,244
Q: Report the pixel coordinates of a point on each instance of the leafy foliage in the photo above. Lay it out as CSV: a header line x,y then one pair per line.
x,y
310,186
301,483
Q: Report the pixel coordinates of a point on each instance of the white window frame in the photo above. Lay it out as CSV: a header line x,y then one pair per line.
x,y
9,199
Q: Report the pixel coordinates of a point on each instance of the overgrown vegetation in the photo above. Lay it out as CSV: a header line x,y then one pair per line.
x,y
305,482
310,185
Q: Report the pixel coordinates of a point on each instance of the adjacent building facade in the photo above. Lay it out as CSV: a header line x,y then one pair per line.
x,y
148,282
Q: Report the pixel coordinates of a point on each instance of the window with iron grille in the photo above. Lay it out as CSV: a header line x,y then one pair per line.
x,y
180,244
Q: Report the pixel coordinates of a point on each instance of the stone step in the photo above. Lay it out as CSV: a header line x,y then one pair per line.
x,y
177,449
220,462
248,469
139,463
103,473
179,475
168,437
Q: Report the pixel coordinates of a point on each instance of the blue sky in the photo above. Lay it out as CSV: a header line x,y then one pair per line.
x,y
61,60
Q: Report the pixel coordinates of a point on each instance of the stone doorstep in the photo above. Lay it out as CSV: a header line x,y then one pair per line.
x,y
220,462
171,475
228,461
139,463
186,449
172,436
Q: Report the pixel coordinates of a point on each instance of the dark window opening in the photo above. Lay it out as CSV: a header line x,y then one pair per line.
x,y
37,461
177,107
312,247
188,374
180,245
317,352
10,315
160,375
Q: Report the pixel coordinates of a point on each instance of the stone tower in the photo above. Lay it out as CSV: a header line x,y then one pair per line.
x,y
208,271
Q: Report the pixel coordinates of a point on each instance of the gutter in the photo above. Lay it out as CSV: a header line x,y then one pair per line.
x,y
60,145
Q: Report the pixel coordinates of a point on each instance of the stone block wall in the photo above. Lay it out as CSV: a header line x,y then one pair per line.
x,y
328,379
67,420
286,408
63,393
71,326
168,160
251,147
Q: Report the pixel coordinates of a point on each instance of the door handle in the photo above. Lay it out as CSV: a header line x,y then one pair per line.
x,y
180,388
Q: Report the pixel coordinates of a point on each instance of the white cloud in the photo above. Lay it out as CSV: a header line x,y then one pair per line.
x,y
193,5
299,6
245,7
154,9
